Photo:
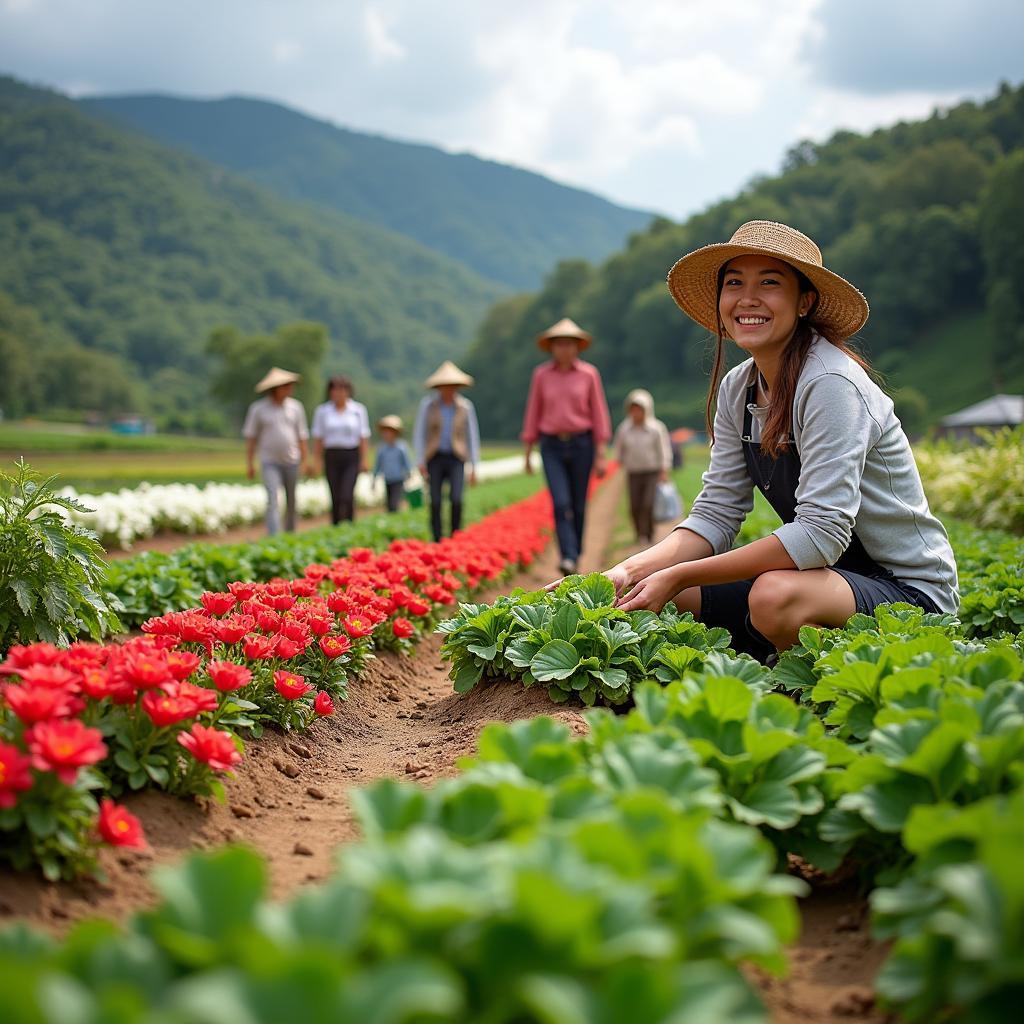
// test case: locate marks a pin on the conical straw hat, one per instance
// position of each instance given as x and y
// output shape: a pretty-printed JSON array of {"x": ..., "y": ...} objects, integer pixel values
[
  {"x": 565, "y": 328},
  {"x": 391, "y": 423},
  {"x": 448, "y": 373},
  {"x": 275, "y": 378},
  {"x": 841, "y": 310}
]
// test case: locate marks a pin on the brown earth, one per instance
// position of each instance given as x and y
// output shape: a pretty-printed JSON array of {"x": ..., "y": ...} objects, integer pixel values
[{"x": 290, "y": 801}]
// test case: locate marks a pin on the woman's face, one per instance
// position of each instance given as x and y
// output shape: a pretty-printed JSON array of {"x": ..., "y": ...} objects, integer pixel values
[
  {"x": 564, "y": 350},
  {"x": 760, "y": 302},
  {"x": 636, "y": 413},
  {"x": 339, "y": 394}
]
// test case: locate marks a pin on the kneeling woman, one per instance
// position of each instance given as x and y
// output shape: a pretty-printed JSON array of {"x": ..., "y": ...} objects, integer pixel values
[{"x": 804, "y": 422}]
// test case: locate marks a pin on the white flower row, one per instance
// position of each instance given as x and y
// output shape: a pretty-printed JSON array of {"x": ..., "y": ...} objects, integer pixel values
[{"x": 122, "y": 517}]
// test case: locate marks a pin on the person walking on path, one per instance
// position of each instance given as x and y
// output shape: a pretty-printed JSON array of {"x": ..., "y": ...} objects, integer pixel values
[
  {"x": 275, "y": 431},
  {"x": 341, "y": 437},
  {"x": 566, "y": 411},
  {"x": 446, "y": 437},
  {"x": 802, "y": 420},
  {"x": 392, "y": 460},
  {"x": 643, "y": 448}
]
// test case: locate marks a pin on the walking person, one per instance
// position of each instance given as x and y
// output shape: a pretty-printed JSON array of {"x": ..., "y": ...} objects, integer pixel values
[
  {"x": 802, "y": 420},
  {"x": 275, "y": 432},
  {"x": 643, "y": 449},
  {"x": 446, "y": 438},
  {"x": 567, "y": 413},
  {"x": 341, "y": 437},
  {"x": 392, "y": 462}
]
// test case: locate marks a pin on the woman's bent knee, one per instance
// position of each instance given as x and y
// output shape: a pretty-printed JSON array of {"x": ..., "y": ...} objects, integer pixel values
[{"x": 773, "y": 600}]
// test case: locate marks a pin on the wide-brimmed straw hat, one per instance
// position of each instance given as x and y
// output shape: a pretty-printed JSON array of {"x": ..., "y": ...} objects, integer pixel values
[
  {"x": 275, "y": 378},
  {"x": 448, "y": 373},
  {"x": 390, "y": 423},
  {"x": 565, "y": 328},
  {"x": 841, "y": 310}
]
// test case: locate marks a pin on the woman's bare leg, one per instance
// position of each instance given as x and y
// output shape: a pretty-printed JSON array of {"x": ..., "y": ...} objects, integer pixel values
[{"x": 783, "y": 600}]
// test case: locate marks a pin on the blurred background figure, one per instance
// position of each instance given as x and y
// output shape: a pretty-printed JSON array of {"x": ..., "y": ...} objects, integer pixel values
[
  {"x": 566, "y": 411},
  {"x": 643, "y": 448},
  {"x": 392, "y": 463},
  {"x": 341, "y": 437},
  {"x": 275, "y": 431},
  {"x": 446, "y": 437}
]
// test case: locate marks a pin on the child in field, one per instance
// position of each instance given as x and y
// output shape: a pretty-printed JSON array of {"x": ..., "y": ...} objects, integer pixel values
[{"x": 393, "y": 462}]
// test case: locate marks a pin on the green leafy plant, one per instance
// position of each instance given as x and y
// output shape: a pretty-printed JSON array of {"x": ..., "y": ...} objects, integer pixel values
[{"x": 51, "y": 573}]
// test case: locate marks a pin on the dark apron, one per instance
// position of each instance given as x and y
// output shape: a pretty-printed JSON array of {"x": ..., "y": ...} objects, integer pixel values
[{"x": 777, "y": 480}]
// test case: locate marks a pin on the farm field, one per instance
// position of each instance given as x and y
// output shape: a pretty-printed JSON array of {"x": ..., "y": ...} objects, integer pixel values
[{"x": 295, "y": 799}]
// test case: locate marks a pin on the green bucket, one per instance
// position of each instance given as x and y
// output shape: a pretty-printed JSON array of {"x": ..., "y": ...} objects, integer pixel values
[{"x": 415, "y": 497}]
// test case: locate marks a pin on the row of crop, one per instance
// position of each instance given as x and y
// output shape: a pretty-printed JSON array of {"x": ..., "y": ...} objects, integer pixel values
[
  {"x": 982, "y": 483},
  {"x": 626, "y": 874},
  {"x": 152, "y": 583},
  {"x": 119, "y": 518},
  {"x": 169, "y": 708}
]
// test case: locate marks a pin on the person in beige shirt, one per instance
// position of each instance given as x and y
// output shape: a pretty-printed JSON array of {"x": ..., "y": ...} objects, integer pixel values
[{"x": 644, "y": 451}]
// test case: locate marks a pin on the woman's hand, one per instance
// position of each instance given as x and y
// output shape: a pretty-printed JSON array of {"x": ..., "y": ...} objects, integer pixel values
[
  {"x": 654, "y": 592},
  {"x": 617, "y": 574}
]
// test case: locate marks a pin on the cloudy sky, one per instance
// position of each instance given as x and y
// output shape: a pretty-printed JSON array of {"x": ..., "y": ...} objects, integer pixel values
[{"x": 660, "y": 104}]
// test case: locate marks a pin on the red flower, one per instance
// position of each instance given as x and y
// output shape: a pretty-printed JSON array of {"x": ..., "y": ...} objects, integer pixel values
[
  {"x": 53, "y": 677},
  {"x": 334, "y": 646},
  {"x": 37, "y": 703},
  {"x": 194, "y": 628},
  {"x": 288, "y": 648},
  {"x": 119, "y": 827},
  {"x": 146, "y": 669},
  {"x": 63, "y": 747},
  {"x": 14, "y": 773},
  {"x": 19, "y": 657},
  {"x": 227, "y": 676},
  {"x": 290, "y": 685},
  {"x": 316, "y": 571},
  {"x": 232, "y": 629},
  {"x": 402, "y": 628},
  {"x": 258, "y": 647},
  {"x": 338, "y": 602},
  {"x": 166, "y": 709},
  {"x": 360, "y": 554},
  {"x": 320, "y": 625},
  {"x": 304, "y": 588},
  {"x": 323, "y": 705},
  {"x": 182, "y": 664},
  {"x": 162, "y": 625},
  {"x": 202, "y": 698},
  {"x": 268, "y": 620},
  {"x": 243, "y": 591},
  {"x": 357, "y": 626},
  {"x": 217, "y": 603},
  {"x": 211, "y": 746},
  {"x": 417, "y": 606},
  {"x": 294, "y": 630},
  {"x": 99, "y": 683},
  {"x": 281, "y": 602}
]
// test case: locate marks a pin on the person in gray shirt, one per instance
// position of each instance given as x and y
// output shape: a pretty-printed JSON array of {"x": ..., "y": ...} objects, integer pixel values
[
  {"x": 275, "y": 431},
  {"x": 804, "y": 421}
]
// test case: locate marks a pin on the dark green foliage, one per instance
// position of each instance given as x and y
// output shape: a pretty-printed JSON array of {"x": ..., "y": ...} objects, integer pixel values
[
  {"x": 51, "y": 573},
  {"x": 922, "y": 217},
  {"x": 506, "y": 224},
  {"x": 131, "y": 254}
]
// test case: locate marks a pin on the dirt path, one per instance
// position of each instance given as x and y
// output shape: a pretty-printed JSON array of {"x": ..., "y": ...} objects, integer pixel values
[{"x": 290, "y": 801}]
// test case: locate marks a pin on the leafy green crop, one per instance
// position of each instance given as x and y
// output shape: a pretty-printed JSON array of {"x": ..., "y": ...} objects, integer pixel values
[{"x": 51, "y": 573}]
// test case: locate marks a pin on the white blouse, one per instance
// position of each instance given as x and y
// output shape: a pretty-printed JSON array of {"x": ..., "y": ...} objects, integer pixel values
[{"x": 341, "y": 428}]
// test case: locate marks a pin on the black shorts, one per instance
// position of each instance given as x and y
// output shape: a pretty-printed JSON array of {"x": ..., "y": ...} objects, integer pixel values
[{"x": 727, "y": 604}]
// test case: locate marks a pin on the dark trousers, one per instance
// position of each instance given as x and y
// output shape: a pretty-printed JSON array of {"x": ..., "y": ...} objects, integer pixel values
[
  {"x": 341, "y": 466},
  {"x": 567, "y": 465},
  {"x": 396, "y": 489},
  {"x": 444, "y": 466},
  {"x": 642, "y": 488}
]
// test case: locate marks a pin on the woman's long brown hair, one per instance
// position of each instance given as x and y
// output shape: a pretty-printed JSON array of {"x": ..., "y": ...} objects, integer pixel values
[{"x": 779, "y": 421}]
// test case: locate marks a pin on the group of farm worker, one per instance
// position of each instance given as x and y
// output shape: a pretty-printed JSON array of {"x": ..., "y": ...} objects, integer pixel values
[
  {"x": 802, "y": 419},
  {"x": 566, "y": 415}
]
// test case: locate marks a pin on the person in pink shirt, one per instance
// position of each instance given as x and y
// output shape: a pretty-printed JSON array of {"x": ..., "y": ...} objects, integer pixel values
[{"x": 567, "y": 413}]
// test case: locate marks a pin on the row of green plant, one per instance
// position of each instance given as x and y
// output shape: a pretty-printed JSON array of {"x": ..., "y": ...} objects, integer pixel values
[
  {"x": 626, "y": 874},
  {"x": 981, "y": 482}
]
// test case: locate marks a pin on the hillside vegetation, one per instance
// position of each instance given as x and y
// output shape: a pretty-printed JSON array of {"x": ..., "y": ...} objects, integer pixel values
[
  {"x": 506, "y": 224},
  {"x": 924, "y": 217},
  {"x": 119, "y": 256}
]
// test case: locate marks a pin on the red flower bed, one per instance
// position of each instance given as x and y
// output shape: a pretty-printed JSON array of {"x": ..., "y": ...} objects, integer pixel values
[{"x": 166, "y": 709}]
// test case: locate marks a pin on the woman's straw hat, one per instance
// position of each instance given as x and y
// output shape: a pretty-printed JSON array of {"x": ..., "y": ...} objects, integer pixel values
[
  {"x": 841, "y": 310},
  {"x": 565, "y": 328},
  {"x": 275, "y": 378},
  {"x": 390, "y": 423},
  {"x": 448, "y": 373}
]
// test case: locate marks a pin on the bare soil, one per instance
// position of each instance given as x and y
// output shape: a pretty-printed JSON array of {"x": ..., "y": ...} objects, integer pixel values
[{"x": 290, "y": 801}]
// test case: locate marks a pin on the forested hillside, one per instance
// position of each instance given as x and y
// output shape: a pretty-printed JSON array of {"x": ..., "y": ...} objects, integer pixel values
[
  {"x": 504, "y": 223},
  {"x": 119, "y": 256},
  {"x": 924, "y": 217}
]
